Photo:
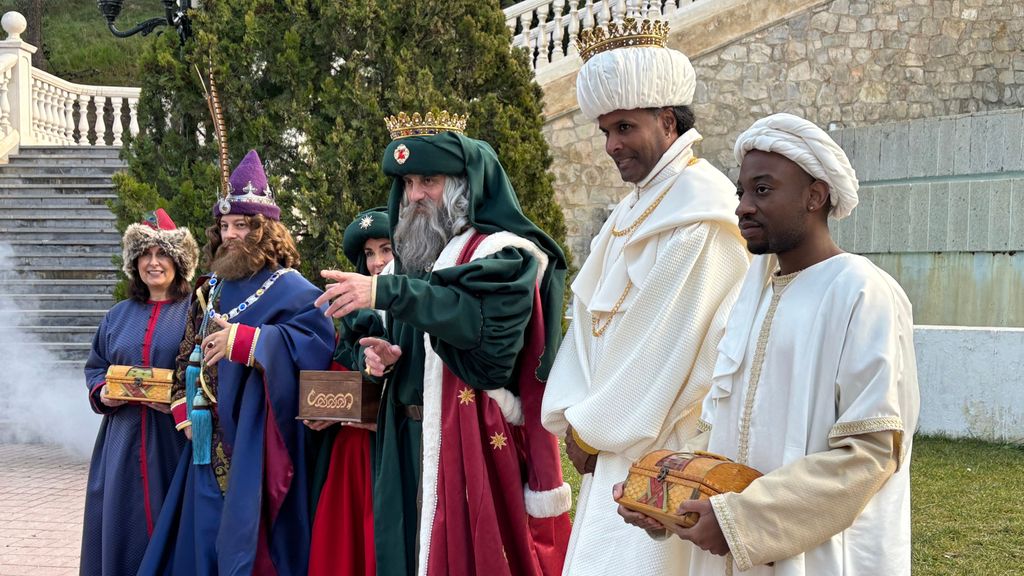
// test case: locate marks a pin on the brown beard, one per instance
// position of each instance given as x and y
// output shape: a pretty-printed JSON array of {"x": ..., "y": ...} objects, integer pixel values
[{"x": 237, "y": 259}]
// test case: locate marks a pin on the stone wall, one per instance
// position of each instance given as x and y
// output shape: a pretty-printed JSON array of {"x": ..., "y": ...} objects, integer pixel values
[
  {"x": 972, "y": 382},
  {"x": 844, "y": 63},
  {"x": 942, "y": 210}
]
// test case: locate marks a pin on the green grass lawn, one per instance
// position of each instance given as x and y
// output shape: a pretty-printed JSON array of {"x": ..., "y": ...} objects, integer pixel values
[
  {"x": 968, "y": 507},
  {"x": 78, "y": 46}
]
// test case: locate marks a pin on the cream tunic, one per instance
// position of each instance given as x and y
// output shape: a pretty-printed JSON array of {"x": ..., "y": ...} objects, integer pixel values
[
  {"x": 639, "y": 385},
  {"x": 816, "y": 386}
]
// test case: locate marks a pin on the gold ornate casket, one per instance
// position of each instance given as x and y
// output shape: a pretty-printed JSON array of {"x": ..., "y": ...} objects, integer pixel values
[
  {"x": 338, "y": 396},
  {"x": 660, "y": 481},
  {"x": 139, "y": 384}
]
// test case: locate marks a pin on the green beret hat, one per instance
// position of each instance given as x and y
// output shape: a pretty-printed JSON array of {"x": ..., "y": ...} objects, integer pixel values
[{"x": 368, "y": 224}]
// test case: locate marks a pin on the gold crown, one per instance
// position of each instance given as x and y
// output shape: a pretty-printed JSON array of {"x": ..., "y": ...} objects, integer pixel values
[
  {"x": 628, "y": 33},
  {"x": 404, "y": 126}
]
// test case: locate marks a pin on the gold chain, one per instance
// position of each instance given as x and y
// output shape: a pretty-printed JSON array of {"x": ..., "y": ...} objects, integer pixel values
[
  {"x": 650, "y": 209},
  {"x": 597, "y": 330}
]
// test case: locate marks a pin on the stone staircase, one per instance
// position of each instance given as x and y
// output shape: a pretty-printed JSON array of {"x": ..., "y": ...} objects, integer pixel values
[{"x": 57, "y": 279}]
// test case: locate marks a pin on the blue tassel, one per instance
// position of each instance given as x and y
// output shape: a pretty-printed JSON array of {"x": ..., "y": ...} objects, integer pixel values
[
  {"x": 202, "y": 430},
  {"x": 198, "y": 410},
  {"x": 192, "y": 376}
]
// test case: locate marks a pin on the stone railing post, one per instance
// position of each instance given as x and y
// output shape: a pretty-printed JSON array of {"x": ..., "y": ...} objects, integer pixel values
[{"x": 19, "y": 91}]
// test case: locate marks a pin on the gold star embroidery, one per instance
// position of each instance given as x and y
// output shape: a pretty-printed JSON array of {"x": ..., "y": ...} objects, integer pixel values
[
  {"x": 466, "y": 396},
  {"x": 498, "y": 440}
]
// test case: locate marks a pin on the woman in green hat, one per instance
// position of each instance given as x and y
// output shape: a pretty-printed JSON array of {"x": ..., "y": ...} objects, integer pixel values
[{"x": 341, "y": 495}]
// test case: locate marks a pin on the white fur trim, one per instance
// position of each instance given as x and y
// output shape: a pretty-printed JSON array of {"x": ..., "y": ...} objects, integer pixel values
[
  {"x": 432, "y": 369},
  {"x": 548, "y": 503},
  {"x": 511, "y": 406},
  {"x": 500, "y": 240}
]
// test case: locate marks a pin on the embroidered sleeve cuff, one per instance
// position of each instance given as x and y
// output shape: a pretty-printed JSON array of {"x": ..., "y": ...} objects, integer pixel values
[
  {"x": 703, "y": 425},
  {"x": 179, "y": 409},
  {"x": 242, "y": 343},
  {"x": 727, "y": 522}
]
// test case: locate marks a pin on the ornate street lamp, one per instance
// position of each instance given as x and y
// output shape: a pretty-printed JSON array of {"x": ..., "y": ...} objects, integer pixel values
[{"x": 175, "y": 14}]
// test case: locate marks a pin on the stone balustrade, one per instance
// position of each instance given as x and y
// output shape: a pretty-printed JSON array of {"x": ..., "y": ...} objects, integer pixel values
[
  {"x": 548, "y": 28},
  {"x": 38, "y": 108}
]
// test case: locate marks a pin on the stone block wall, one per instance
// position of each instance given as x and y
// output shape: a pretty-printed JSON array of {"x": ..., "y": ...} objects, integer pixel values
[
  {"x": 942, "y": 210},
  {"x": 845, "y": 63}
]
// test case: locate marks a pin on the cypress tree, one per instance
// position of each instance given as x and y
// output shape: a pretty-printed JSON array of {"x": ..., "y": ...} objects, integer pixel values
[{"x": 308, "y": 84}]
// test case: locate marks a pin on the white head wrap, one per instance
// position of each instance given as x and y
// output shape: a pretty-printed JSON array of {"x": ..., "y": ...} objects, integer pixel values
[
  {"x": 634, "y": 77},
  {"x": 810, "y": 147}
]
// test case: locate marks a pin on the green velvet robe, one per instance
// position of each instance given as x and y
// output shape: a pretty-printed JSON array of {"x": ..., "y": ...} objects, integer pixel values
[{"x": 476, "y": 315}]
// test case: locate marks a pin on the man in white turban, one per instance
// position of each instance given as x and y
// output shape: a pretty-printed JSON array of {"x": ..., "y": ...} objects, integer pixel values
[
  {"x": 651, "y": 300},
  {"x": 815, "y": 383}
]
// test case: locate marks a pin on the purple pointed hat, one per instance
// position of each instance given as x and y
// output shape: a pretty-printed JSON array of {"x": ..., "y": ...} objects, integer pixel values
[{"x": 249, "y": 193}]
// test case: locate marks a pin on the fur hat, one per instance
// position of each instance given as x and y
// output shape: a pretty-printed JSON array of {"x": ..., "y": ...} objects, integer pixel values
[{"x": 157, "y": 229}]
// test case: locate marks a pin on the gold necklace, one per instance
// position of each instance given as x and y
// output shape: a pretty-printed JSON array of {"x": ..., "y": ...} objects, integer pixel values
[
  {"x": 650, "y": 209},
  {"x": 595, "y": 324},
  {"x": 596, "y": 328}
]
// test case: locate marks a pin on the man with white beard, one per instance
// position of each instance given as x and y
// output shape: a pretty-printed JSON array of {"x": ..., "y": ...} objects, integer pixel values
[{"x": 467, "y": 480}]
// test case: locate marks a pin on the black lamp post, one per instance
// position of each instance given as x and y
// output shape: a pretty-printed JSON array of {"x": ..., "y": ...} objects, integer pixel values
[{"x": 175, "y": 14}]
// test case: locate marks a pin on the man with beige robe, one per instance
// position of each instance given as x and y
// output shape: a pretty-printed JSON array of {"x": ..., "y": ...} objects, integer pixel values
[
  {"x": 815, "y": 384},
  {"x": 651, "y": 300}
]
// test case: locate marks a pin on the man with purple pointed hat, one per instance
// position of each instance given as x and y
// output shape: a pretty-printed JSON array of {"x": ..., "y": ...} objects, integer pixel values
[{"x": 238, "y": 503}]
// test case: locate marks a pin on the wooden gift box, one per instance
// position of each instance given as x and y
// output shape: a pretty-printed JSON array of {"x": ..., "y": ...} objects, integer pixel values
[
  {"x": 338, "y": 396},
  {"x": 660, "y": 481},
  {"x": 139, "y": 384}
]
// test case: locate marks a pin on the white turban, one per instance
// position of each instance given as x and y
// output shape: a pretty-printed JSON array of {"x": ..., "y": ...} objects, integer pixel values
[
  {"x": 634, "y": 77},
  {"x": 810, "y": 147}
]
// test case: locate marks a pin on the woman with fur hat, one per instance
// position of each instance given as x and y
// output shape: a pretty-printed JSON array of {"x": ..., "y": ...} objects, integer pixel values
[
  {"x": 341, "y": 496},
  {"x": 137, "y": 448}
]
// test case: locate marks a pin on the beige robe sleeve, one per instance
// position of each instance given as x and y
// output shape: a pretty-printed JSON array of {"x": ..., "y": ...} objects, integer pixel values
[
  {"x": 801, "y": 505},
  {"x": 648, "y": 384}
]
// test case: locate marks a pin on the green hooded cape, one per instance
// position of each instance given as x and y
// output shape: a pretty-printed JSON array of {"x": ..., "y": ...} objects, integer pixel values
[{"x": 493, "y": 208}]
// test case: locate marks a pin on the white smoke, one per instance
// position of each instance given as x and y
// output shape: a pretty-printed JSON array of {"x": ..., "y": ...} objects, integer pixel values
[{"x": 40, "y": 401}]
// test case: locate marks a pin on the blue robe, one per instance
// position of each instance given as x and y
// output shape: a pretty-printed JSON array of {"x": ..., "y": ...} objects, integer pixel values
[
  {"x": 257, "y": 522},
  {"x": 137, "y": 448}
]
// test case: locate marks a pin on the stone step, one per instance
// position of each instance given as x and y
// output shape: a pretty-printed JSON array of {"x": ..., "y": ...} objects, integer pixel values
[
  {"x": 93, "y": 151},
  {"x": 51, "y": 179},
  {"x": 59, "y": 170},
  {"x": 67, "y": 351},
  {"x": 60, "y": 301},
  {"x": 53, "y": 317},
  {"x": 104, "y": 247},
  {"x": 65, "y": 160},
  {"x": 55, "y": 200},
  {"x": 43, "y": 286},
  {"x": 7, "y": 189},
  {"x": 58, "y": 334},
  {"x": 89, "y": 211},
  {"x": 68, "y": 235},
  {"x": 19, "y": 261},
  {"x": 61, "y": 273},
  {"x": 36, "y": 220},
  {"x": 66, "y": 366}
]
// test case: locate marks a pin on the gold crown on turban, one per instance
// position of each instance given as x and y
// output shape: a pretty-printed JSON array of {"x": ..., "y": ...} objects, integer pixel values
[
  {"x": 404, "y": 125},
  {"x": 628, "y": 33}
]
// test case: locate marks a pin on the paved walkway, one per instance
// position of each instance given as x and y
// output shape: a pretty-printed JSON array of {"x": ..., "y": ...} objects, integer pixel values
[{"x": 42, "y": 494}]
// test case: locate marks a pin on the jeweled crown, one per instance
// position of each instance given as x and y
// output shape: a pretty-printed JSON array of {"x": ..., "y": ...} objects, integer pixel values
[
  {"x": 628, "y": 33},
  {"x": 404, "y": 125}
]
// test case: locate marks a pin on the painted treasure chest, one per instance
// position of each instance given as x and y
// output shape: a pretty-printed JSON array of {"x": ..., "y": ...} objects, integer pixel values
[
  {"x": 660, "y": 481},
  {"x": 338, "y": 396},
  {"x": 139, "y": 384}
]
